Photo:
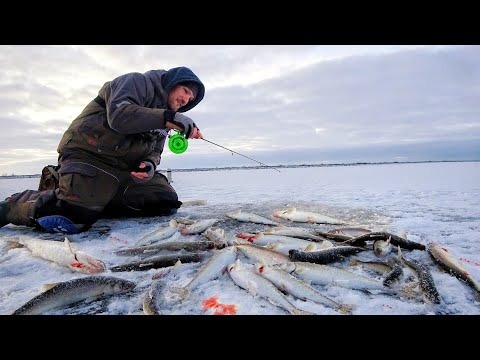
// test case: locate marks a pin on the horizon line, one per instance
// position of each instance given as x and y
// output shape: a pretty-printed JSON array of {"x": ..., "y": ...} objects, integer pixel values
[{"x": 267, "y": 167}]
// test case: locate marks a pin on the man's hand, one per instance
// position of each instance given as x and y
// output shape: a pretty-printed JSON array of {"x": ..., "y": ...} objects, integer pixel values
[
  {"x": 147, "y": 169},
  {"x": 196, "y": 134},
  {"x": 186, "y": 124}
]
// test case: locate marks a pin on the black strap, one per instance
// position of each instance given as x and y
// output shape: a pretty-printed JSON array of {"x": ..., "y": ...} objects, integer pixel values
[{"x": 100, "y": 102}]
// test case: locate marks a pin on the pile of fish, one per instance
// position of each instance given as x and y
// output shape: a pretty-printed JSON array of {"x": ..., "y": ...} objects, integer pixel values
[{"x": 282, "y": 263}]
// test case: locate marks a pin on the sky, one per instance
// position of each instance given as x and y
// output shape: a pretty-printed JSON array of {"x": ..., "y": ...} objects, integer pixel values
[
  {"x": 426, "y": 203},
  {"x": 277, "y": 104}
]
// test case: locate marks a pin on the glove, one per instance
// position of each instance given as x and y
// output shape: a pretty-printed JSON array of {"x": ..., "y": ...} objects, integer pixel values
[
  {"x": 149, "y": 169},
  {"x": 184, "y": 122}
]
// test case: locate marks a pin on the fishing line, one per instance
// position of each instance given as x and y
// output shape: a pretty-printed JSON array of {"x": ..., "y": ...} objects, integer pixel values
[
  {"x": 178, "y": 144},
  {"x": 223, "y": 147}
]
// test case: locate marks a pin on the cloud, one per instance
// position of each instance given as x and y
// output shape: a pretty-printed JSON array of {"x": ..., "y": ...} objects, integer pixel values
[{"x": 273, "y": 99}]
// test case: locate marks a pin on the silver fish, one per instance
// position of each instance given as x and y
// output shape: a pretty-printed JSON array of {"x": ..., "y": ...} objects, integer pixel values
[
  {"x": 285, "y": 248},
  {"x": 62, "y": 253},
  {"x": 300, "y": 289},
  {"x": 295, "y": 215},
  {"x": 249, "y": 217},
  {"x": 382, "y": 247},
  {"x": 377, "y": 266},
  {"x": 151, "y": 299},
  {"x": 158, "y": 261},
  {"x": 298, "y": 232},
  {"x": 198, "y": 226},
  {"x": 210, "y": 270},
  {"x": 258, "y": 285},
  {"x": 72, "y": 291},
  {"x": 158, "y": 234},
  {"x": 262, "y": 255},
  {"x": 328, "y": 275},
  {"x": 169, "y": 246},
  {"x": 265, "y": 239},
  {"x": 448, "y": 262},
  {"x": 350, "y": 231},
  {"x": 427, "y": 285}
]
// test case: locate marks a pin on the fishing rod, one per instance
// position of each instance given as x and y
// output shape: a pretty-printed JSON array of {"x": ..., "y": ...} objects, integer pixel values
[{"x": 178, "y": 144}]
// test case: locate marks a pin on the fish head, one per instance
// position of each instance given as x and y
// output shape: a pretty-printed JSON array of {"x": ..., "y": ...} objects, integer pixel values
[
  {"x": 382, "y": 247},
  {"x": 122, "y": 286},
  {"x": 434, "y": 247},
  {"x": 282, "y": 213},
  {"x": 83, "y": 262},
  {"x": 278, "y": 214},
  {"x": 215, "y": 233},
  {"x": 248, "y": 236}
]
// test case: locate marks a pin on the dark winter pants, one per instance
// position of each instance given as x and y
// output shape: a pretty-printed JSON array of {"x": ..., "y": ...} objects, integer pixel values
[{"x": 86, "y": 193}]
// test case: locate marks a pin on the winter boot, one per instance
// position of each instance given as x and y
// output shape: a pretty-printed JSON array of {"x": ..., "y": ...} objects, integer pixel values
[
  {"x": 17, "y": 210},
  {"x": 34, "y": 209},
  {"x": 20, "y": 208}
]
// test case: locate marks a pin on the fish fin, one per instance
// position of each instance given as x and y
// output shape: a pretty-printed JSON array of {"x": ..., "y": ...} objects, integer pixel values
[
  {"x": 68, "y": 245},
  {"x": 48, "y": 286},
  {"x": 399, "y": 256},
  {"x": 290, "y": 210},
  {"x": 310, "y": 248},
  {"x": 177, "y": 264}
]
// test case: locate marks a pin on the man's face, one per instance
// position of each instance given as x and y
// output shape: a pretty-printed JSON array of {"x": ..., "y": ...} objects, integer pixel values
[{"x": 179, "y": 96}]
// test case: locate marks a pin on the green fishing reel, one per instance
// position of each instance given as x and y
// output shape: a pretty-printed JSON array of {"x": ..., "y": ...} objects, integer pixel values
[{"x": 177, "y": 143}]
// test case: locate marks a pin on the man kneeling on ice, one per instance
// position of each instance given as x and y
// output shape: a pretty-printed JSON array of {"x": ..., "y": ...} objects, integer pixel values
[{"x": 108, "y": 155}]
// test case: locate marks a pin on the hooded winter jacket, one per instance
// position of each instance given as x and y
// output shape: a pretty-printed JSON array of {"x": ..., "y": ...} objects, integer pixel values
[{"x": 123, "y": 125}]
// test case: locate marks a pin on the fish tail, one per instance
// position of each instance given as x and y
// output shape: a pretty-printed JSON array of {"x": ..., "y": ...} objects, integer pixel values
[
  {"x": 346, "y": 309},
  {"x": 300, "y": 312},
  {"x": 13, "y": 244},
  {"x": 408, "y": 290}
]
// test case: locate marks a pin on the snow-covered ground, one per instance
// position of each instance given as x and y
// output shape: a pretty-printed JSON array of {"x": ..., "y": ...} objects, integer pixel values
[{"x": 430, "y": 202}]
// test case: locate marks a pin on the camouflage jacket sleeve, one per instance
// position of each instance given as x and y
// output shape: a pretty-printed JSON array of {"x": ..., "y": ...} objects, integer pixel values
[{"x": 133, "y": 106}]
